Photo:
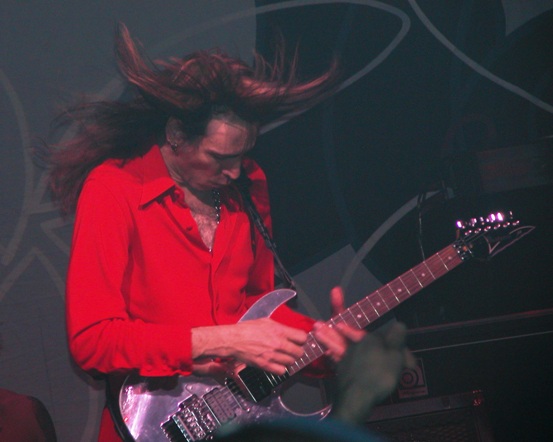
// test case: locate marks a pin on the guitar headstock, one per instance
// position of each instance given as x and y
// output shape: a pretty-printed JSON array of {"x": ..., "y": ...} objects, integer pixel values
[{"x": 486, "y": 237}]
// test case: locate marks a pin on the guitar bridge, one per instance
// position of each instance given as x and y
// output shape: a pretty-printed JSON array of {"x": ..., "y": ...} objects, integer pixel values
[{"x": 197, "y": 418}]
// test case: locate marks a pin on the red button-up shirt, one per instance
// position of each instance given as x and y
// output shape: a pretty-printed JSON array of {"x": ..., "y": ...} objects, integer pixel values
[{"x": 140, "y": 277}]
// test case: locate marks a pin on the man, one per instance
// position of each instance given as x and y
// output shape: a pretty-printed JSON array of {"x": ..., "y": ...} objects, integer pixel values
[{"x": 165, "y": 259}]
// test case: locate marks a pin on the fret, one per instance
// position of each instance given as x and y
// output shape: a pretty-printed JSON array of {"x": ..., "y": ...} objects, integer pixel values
[
  {"x": 375, "y": 302},
  {"x": 273, "y": 379},
  {"x": 411, "y": 282},
  {"x": 294, "y": 368},
  {"x": 398, "y": 288},
  {"x": 377, "y": 293},
  {"x": 368, "y": 309},
  {"x": 389, "y": 295},
  {"x": 360, "y": 315},
  {"x": 417, "y": 279},
  {"x": 443, "y": 262},
  {"x": 428, "y": 268},
  {"x": 358, "y": 318},
  {"x": 315, "y": 347},
  {"x": 309, "y": 350},
  {"x": 406, "y": 288},
  {"x": 434, "y": 267},
  {"x": 450, "y": 257},
  {"x": 349, "y": 319},
  {"x": 423, "y": 275},
  {"x": 436, "y": 264}
]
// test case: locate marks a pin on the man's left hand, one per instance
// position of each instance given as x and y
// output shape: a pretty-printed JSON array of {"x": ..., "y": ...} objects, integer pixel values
[{"x": 335, "y": 339}]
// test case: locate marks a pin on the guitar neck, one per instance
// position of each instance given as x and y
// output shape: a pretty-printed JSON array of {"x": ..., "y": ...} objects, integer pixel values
[
  {"x": 381, "y": 301},
  {"x": 259, "y": 384}
]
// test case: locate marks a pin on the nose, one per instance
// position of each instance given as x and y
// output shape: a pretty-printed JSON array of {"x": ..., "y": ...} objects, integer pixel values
[{"x": 233, "y": 170}]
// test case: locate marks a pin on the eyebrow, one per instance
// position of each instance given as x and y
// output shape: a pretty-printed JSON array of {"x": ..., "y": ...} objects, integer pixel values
[{"x": 225, "y": 156}]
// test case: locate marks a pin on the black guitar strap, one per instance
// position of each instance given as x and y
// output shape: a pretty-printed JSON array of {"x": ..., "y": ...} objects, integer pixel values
[
  {"x": 243, "y": 183},
  {"x": 113, "y": 408}
]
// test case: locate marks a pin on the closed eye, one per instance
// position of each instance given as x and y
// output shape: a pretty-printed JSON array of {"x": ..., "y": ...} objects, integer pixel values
[{"x": 220, "y": 157}]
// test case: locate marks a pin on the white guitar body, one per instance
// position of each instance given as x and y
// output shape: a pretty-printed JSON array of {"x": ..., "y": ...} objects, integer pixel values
[{"x": 195, "y": 406}]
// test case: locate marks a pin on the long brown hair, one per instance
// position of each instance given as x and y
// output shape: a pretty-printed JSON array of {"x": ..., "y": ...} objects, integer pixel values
[{"x": 192, "y": 89}]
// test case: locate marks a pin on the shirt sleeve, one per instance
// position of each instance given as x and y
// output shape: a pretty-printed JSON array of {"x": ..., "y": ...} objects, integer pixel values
[{"x": 102, "y": 337}]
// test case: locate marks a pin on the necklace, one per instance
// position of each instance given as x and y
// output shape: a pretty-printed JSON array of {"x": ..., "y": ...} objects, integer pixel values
[{"x": 216, "y": 195}]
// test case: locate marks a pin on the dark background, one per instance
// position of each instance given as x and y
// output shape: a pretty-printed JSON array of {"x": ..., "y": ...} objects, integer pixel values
[{"x": 421, "y": 122}]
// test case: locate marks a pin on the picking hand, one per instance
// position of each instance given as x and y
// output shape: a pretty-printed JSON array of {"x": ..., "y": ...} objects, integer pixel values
[{"x": 262, "y": 343}]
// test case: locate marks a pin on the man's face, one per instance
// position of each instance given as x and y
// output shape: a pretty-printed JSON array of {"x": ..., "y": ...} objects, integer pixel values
[{"x": 214, "y": 160}]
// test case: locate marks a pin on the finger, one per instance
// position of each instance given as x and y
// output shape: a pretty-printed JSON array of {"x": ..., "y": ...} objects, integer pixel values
[
  {"x": 281, "y": 359},
  {"x": 350, "y": 333},
  {"x": 271, "y": 365},
  {"x": 291, "y": 349},
  {"x": 211, "y": 369},
  {"x": 333, "y": 342},
  {"x": 275, "y": 329},
  {"x": 296, "y": 336},
  {"x": 277, "y": 369},
  {"x": 337, "y": 300}
]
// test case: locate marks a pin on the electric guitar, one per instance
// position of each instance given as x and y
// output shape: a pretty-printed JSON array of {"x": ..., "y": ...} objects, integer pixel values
[{"x": 192, "y": 408}]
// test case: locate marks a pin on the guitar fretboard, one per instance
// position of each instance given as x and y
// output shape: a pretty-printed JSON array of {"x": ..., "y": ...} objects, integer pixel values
[{"x": 381, "y": 301}]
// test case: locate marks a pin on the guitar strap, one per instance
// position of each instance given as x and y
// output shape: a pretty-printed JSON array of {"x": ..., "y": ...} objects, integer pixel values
[
  {"x": 243, "y": 183},
  {"x": 114, "y": 411}
]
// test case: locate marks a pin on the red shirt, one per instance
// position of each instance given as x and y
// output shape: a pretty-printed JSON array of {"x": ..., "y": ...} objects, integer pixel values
[{"x": 140, "y": 277}]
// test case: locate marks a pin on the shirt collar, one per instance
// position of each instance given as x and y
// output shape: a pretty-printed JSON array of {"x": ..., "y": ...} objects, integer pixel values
[{"x": 156, "y": 176}]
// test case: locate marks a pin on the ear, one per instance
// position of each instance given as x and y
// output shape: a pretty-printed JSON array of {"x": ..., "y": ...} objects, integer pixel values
[{"x": 174, "y": 133}]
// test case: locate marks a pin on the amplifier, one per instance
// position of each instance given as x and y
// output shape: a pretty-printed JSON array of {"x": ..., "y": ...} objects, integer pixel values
[{"x": 454, "y": 418}]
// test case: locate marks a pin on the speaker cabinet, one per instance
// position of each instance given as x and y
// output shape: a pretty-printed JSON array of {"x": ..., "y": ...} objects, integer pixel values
[{"x": 453, "y": 418}]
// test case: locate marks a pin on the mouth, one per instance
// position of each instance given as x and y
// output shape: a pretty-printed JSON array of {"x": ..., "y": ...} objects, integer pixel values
[{"x": 227, "y": 181}]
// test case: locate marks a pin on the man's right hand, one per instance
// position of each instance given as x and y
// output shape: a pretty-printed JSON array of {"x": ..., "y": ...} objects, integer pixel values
[{"x": 261, "y": 343}]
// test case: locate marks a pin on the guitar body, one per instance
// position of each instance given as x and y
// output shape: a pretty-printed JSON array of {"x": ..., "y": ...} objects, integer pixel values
[{"x": 194, "y": 407}]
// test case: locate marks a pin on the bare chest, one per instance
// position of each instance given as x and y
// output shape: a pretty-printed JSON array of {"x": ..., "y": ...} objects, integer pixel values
[
  {"x": 206, "y": 213},
  {"x": 207, "y": 226}
]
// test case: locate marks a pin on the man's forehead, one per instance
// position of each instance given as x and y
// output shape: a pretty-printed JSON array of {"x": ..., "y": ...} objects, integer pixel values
[
  {"x": 229, "y": 124},
  {"x": 229, "y": 137}
]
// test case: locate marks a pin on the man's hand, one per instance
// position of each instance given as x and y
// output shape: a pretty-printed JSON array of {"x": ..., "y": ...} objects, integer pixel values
[
  {"x": 336, "y": 339},
  {"x": 261, "y": 343}
]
